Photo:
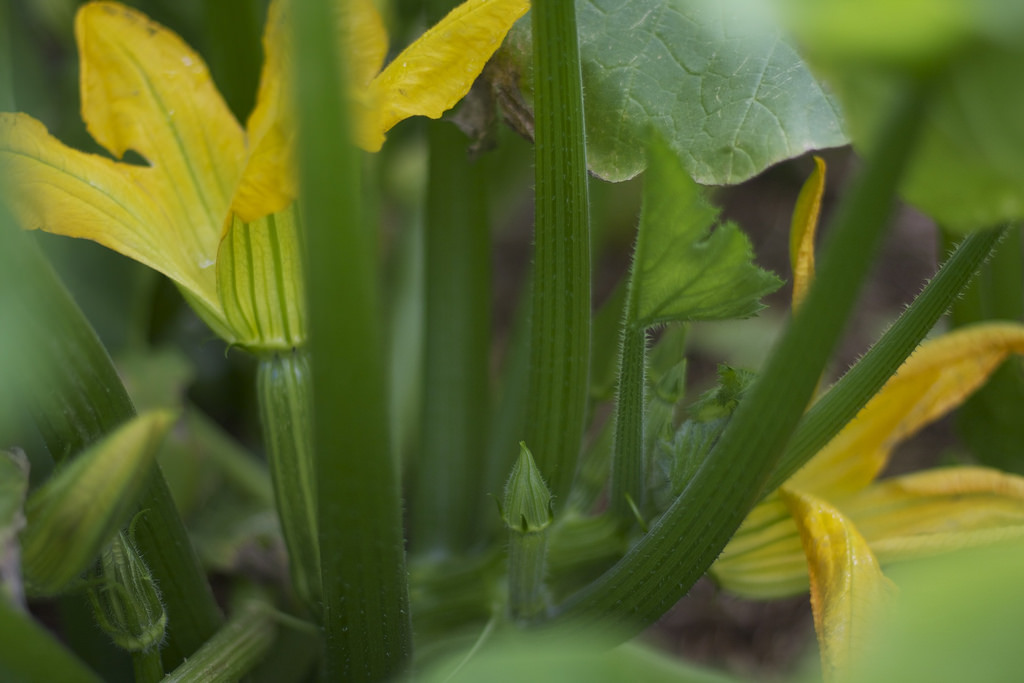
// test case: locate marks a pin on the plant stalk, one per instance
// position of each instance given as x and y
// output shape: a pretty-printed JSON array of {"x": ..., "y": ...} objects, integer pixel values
[
  {"x": 283, "y": 383},
  {"x": 684, "y": 542},
  {"x": 560, "y": 332},
  {"x": 843, "y": 401},
  {"x": 366, "y": 620}
]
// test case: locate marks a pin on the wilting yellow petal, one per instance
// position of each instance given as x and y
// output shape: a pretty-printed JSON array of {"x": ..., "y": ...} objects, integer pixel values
[
  {"x": 938, "y": 510},
  {"x": 365, "y": 40},
  {"x": 847, "y": 585},
  {"x": 934, "y": 380},
  {"x": 259, "y": 280},
  {"x": 803, "y": 229},
  {"x": 144, "y": 89},
  {"x": 58, "y": 189},
  {"x": 437, "y": 70},
  {"x": 269, "y": 183}
]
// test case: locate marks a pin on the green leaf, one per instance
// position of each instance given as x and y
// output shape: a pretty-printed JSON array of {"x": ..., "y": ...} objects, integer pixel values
[
  {"x": 722, "y": 86},
  {"x": 683, "y": 269},
  {"x": 969, "y": 170}
]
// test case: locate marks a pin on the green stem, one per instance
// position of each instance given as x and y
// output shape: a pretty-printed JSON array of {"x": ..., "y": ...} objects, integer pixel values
[
  {"x": 365, "y": 586},
  {"x": 677, "y": 551},
  {"x": 627, "y": 477},
  {"x": 283, "y": 383},
  {"x": 148, "y": 667},
  {"x": 76, "y": 398},
  {"x": 844, "y": 400},
  {"x": 233, "y": 651},
  {"x": 527, "y": 565},
  {"x": 448, "y": 496},
  {"x": 560, "y": 332}
]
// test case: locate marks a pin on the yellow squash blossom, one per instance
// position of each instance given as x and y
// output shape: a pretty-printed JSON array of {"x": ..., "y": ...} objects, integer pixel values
[
  {"x": 833, "y": 523},
  {"x": 213, "y": 206}
]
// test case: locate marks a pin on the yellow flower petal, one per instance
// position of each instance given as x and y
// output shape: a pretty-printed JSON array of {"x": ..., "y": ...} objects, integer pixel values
[
  {"x": 259, "y": 280},
  {"x": 803, "y": 229},
  {"x": 269, "y": 184},
  {"x": 365, "y": 40},
  {"x": 934, "y": 380},
  {"x": 144, "y": 89},
  {"x": 765, "y": 558},
  {"x": 938, "y": 510},
  {"x": 58, "y": 189},
  {"x": 437, "y": 70},
  {"x": 847, "y": 585}
]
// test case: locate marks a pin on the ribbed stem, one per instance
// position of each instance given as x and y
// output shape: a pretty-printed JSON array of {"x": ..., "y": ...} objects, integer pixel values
[
  {"x": 627, "y": 480},
  {"x": 845, "y": 399},
  {"x": 690, "y": 535},
  {"x": 233, "y": 651},
  {"x": 284, "y": 390},
  {"x": 560, "y": 333},
  {"x": 359, "y": 509}
]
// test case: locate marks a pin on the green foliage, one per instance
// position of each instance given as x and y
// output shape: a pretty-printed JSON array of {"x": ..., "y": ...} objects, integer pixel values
[
  {"x": 729, "y": 95},
  {"x": 684, "y": 270},
  {"x": 969, "y": 171},
  {"x": 693, "y": 91}
]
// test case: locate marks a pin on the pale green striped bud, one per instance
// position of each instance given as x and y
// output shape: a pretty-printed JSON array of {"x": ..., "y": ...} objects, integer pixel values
[
  {"x": 77, "y": 511},
  {"x": 125, "y": 599},
  {"x": 527, "y": 505},
  {"x": 259, "y": 282}
]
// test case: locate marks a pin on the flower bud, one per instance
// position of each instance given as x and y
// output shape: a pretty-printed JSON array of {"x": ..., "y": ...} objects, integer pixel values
[
  {"x": 527, "y": 507},
  {"x": 125, "y": 598},
  {"x": 74, "y": 514}
]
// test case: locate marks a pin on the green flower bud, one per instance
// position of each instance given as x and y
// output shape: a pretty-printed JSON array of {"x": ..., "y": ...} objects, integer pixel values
[
  {"x": 259, "y": 282},
  {"x": 74, "y": 514},
  {"x": 125, "y": 598},
  {"x": 527, "y": 514},
  {"x": 527, "y": 507}
]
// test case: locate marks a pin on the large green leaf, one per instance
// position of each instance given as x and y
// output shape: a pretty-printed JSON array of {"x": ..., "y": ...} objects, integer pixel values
[
  {"x": 713, "y": 77},
  {"x": 968, "y": 172},
  {"x": 684, "y": 270}
]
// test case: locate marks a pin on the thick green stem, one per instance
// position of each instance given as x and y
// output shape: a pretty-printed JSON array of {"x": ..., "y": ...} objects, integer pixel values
[
  {"x": 365, "y": 585},
  {"x": 234, "y": 650},
  {"x": 560, "y": 332},
  {"x": 844, "y": 400},
  {"x": 76, "y": 397},
  {"x": 284, "y": 383},
  {"x": 627, "y": 480},
  {"x": 677, "y": 551},
  {"x": 448, "y": 496}
]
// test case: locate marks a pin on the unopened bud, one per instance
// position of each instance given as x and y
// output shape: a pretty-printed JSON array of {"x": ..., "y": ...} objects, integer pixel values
[
  {"x": 527, "y": 507},
  {"x": 125, "y": 598}
]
